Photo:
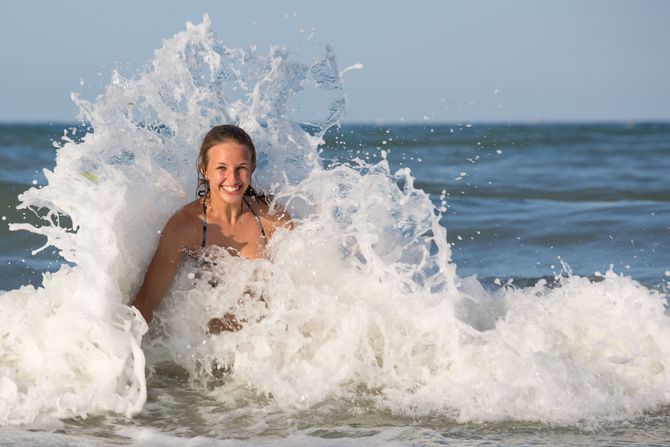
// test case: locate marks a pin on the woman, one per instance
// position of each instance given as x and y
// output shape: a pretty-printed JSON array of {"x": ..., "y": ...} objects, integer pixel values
[{"x": 230, "y": 214}]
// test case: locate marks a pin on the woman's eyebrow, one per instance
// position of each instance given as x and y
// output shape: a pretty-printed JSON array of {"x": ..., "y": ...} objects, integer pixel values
[{"x": 221, "y": 163}]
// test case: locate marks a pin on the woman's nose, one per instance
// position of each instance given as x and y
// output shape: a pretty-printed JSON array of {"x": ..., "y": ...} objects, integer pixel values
[{"x": 233, "y": 176}]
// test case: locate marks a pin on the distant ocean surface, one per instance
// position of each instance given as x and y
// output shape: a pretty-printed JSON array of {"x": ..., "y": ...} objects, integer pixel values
[{"x": 522, "y": 201}]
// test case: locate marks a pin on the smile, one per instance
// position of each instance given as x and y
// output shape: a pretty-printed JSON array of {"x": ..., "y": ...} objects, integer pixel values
[{"x": 232, "y": 188}]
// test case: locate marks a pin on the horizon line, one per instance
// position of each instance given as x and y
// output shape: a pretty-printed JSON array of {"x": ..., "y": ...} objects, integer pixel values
[{"x": 399, "y": 123}]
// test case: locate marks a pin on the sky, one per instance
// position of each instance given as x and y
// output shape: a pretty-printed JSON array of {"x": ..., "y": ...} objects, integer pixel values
[{"x": 436, "y": 61}]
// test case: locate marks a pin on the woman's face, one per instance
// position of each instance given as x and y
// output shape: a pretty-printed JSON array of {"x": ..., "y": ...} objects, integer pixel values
[{"x": 228, "y": 171}]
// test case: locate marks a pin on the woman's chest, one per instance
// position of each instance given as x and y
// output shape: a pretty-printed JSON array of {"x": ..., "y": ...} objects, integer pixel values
[{"x": 242, "y": 239}]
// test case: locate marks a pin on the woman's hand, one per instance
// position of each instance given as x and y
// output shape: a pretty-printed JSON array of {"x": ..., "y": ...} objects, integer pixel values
[{"x": 227, "y": 323}]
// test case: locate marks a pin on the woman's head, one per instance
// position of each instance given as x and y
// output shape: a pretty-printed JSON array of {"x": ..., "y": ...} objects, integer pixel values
[
  {"x": 226, "y": 161},
  {"x": 222, "y": 134}
]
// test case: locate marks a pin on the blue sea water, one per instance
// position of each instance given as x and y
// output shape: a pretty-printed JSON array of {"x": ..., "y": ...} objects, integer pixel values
[
  {"x": 520, "y": 198},
  {"x": 521, "y": 201}
]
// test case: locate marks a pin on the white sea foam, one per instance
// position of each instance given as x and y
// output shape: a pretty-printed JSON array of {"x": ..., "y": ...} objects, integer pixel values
[{"x": 360, "y": 300}]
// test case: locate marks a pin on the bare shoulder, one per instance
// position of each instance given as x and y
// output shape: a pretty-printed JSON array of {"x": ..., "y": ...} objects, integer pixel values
[
  {"x": 183, "y": 217},
  {"x": 184, "y": 227}
]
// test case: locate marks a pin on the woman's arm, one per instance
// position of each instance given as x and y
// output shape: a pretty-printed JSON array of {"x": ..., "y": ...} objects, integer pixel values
[{"x": 162, "y": 268}]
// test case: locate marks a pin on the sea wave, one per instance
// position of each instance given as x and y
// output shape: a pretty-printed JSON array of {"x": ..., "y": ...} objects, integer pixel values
[{"x": 361, "y": 302}]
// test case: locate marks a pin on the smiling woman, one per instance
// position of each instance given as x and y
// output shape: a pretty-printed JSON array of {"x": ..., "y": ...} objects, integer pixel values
[{"x": 229, "y": 213}]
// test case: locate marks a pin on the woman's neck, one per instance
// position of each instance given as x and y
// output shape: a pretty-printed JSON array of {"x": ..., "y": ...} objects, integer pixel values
[{"x": 228, "y": 212}]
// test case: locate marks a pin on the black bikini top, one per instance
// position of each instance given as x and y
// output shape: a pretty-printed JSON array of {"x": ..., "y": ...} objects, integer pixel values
[{"x": 204, "y": 222}]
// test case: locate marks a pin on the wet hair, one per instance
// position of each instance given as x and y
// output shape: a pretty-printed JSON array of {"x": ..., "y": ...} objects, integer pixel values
[{"x": 222, "y": 134}]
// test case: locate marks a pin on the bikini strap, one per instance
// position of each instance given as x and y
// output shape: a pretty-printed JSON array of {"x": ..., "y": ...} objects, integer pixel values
[
  {"x": 258, "y": 221},
  {"x": 204, "y": 222}
]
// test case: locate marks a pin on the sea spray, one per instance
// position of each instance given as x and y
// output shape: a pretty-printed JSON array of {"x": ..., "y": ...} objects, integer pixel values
[
  {"x": 110, "y": 194},
  {"x": 350, "y": 322},
  {"x": 357, "y": 309}
]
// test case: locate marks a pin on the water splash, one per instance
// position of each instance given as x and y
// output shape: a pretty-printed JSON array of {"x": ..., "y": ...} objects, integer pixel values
[
  {"x": 362, "y": 308},
  {"x": 110, "y": 194}
]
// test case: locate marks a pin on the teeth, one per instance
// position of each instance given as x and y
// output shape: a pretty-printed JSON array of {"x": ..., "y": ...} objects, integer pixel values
[{"x": 231, "y": 188}]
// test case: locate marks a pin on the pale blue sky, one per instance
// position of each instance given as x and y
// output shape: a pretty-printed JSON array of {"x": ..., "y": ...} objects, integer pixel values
[{"x": 455, "y": 61}]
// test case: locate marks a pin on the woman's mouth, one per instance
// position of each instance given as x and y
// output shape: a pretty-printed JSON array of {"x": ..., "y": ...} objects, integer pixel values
[{"x": 231, "y": 188}]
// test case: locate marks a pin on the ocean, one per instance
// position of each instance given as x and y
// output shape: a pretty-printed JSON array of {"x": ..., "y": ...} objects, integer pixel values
[
  {"x": 593, "y": 195},
  {"x": 446, "y": 283}
]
